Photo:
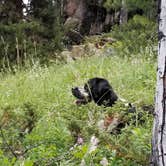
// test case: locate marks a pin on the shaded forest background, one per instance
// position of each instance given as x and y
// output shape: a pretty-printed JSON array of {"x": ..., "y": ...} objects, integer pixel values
[{"x": 40, "y": 28}]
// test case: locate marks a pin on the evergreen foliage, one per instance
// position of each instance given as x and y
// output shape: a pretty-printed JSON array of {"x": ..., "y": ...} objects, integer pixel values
[
  {"x": 11, "y": 11},
  {"x": 38, "y": 34},
  {"x": 143, "y": 7},
  {"x": 34, "y": 37},
  {"x": 136, "y": 37}
]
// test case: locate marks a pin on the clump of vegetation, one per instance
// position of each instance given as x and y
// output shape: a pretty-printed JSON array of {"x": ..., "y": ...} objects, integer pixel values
[
  {"x": 137, "y": 37},
  {"x": 31, "y": 36},
  {"x": 145, "y": 8}
]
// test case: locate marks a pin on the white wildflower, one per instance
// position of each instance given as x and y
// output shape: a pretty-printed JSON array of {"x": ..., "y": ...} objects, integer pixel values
[
  {"x": 93, "y": 144},
  {"x": 104, "y": 161}
]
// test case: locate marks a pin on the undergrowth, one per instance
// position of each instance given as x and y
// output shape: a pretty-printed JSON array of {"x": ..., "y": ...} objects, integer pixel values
[
  {"x": 39, "y": 120},
  {"x": 137, "y": 38},
  {"x": 40, "y": 123}
]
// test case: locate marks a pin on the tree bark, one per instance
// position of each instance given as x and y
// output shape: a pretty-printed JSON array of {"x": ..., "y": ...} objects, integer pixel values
[
  {"x": 123, "y": 13},
  {"x": 158, "y": 157}
]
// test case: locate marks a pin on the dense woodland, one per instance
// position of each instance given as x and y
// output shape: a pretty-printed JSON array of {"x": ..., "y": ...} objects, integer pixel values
[
  {"x": 49, "y": 46},
  {"x": 39, "y": 28}
]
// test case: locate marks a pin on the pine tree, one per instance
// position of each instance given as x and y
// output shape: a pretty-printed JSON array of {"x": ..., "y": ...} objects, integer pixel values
[
  {"x": 48, "y": 14},
  {"x": 11, "y": 11},
  {"x": 143, "y": 7}
]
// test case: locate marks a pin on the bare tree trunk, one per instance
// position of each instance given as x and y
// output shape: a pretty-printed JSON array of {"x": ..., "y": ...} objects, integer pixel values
[
  {"x": 158, "y": 157},
  {"x": 123, "y": 13}
]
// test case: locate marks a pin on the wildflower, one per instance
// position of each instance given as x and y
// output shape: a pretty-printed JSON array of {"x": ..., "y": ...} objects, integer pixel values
[
  {"x": 104, "y": 161},
  {"x": 93, "y": 144}
]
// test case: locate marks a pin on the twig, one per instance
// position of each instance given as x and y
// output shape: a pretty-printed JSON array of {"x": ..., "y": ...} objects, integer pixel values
[{"x": 18, "y": 54}]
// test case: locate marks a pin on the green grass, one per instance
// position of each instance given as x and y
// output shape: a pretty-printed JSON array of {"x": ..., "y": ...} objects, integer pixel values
[
  {"x": 47, "y": 86},
  {"x": 48, "y": 91}
]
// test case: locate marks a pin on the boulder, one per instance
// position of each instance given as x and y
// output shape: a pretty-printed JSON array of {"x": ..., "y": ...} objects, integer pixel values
[
  {"x": 66, "y": 56},
  {"x": 78, "y": 51}
]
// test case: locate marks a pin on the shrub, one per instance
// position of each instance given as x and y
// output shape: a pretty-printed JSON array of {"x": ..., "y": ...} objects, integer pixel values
[
  {"x": 24, "y": 43},
  {"x": 137, "y": 37}
]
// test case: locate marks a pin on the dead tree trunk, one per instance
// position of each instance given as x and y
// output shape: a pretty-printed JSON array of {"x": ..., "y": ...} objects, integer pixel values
[{"x": 159, "y": 129}]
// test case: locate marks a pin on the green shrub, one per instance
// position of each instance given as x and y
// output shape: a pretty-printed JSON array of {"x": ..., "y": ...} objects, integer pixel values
[
  {"x": 136, "y": 38},
  {"x": 24, "y": 43}
]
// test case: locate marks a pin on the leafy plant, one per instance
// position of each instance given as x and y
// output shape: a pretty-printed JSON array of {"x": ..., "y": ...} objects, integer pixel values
[{"x": 137, "y": 37}]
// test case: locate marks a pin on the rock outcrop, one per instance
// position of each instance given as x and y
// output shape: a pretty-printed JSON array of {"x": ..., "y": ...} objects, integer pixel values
[
  {"x": 86, "y": 18},
  {"x": 96, "y": 46}
]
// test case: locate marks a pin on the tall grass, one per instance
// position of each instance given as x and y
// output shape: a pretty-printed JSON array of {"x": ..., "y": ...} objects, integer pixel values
[
  {"x": 48, "y": 90},
  {"x": 131, "y": 79}
]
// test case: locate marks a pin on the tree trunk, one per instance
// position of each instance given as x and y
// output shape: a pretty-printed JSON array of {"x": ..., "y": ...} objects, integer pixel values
[
  {"x": 158, "y": 157},
  {"x": 123, "y": 13}
]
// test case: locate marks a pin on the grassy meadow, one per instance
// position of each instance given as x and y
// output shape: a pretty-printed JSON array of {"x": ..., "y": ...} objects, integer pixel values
[{"x": 40, "y": 100}]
